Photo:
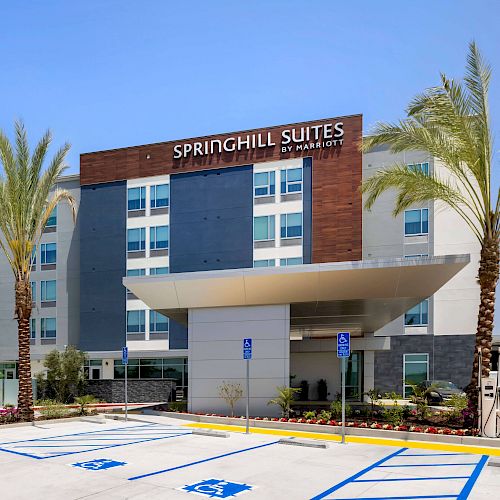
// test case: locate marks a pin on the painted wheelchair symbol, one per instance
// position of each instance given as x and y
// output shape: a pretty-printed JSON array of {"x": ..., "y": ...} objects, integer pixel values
[
  {"x": 342, "y": 339},
  {"x": 217, "y": 488}
]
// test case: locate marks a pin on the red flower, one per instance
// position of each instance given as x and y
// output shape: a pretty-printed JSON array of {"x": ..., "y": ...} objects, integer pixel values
[{"x": 283, "y": 419}]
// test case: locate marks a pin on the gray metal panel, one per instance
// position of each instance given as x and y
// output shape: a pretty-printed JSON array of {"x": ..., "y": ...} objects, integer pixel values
[
  {"x": 103, "y": 264},
  {"x": 211, "y": 220}
]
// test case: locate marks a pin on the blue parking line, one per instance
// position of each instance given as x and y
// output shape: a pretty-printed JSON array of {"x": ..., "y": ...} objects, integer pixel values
[
  {"x": 82, "y": 433},
  {"x": 395, "y": 479},
  {"x": 428, "y": 465},
  {"x": 358, "y": 474},
  {"x": 430, "y": 454},
  {"x": 93, "y": 449},
  {"x": 473, "y": 478},
  {"x": 406, "y": 497},
  {"x": 201, "y": 461}
]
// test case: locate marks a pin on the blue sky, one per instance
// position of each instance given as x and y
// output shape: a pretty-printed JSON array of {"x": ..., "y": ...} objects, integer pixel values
[{"x": 106, "y": 73}]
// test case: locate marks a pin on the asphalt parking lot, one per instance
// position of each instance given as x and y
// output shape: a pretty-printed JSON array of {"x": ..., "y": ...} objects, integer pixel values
[{"x": 161, "y": 458}]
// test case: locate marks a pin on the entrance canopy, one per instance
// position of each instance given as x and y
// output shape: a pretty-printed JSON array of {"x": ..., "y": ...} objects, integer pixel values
[{"x": 361, "y": 296}]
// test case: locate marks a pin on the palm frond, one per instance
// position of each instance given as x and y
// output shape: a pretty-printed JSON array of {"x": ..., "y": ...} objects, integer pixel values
[
  {"x": 28, "y": 196},
  {"x": 451, "y": 123}
]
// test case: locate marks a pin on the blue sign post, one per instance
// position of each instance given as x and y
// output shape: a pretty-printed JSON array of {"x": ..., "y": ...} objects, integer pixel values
[
  {"x": 125, "y": 363},
  {"x": 343, "y": 352},
  {"x": 247, "y": 355}
]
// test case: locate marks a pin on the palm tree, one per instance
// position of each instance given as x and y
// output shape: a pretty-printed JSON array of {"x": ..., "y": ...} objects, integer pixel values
[
  {"x": 27, "y": 198},
  {"x": 451, "y": 122}
]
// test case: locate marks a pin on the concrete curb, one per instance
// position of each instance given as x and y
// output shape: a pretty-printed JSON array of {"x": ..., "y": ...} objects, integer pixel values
[{"x": 325, "y": 429}]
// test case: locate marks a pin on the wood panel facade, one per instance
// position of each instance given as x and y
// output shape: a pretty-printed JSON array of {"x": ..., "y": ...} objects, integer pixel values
[{"x": 337, "y": 173}]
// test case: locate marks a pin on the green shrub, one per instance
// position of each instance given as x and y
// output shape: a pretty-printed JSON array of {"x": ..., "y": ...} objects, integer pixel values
[
  {"x": 309, "y": 414},
  {"x": 285, "y": 396},
  {"x": 457, "y": 404},
  {"x": 177, "y": 406},
  {"x": 393, "y": 395},
  {"x": 52, "y": 409},
  {"x": 394, "y": 415},
  {"x": 325, "y": 415},
  {"x": 336, "y": 409},
  {"x": 83, "y": 401}
]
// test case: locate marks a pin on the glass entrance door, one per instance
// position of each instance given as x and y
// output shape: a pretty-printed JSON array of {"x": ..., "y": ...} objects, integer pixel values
[{"x": 354, "y": 376}]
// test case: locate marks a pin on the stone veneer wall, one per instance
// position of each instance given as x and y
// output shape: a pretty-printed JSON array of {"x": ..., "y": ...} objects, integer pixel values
[
  {"x": 450, "y": 358},
  {"x": 139, "y": 391}
]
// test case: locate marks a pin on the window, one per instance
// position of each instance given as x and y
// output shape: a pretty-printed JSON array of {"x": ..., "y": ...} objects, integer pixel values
[
  {"x": 158, "y": 237},
  {"x": 52, "y": 220},
  {"x": 158, "y": 270},
  {"x": 136, "y": 272},
  {"x": 416, "y": 255},
  {"x": 264, "y": 184},
  {"x": 264, "y": 263},
  {"x": 48, "y": 291},
  {"x": 263, "y": 228},
  {"x": 160, "y": 195},
  {"x": 291, "y": 261},
  {"x": 136, "y": 198},
  {"x": 418, "y": 315},
  {"x": 415, "y": 370},
  {"x": 150, "y": 368},
  {"x": 420, "y": 167},
  {"x": 33, "y": 291},
  {"x": 33, "y": 256},
  {"x": 48, "y": 253},
  {"x": 136, "y": 321},
  {"x": 33, "y": 328},
  {"x": 291, "y": 225},
  {"x": 171, "y": 368},
  {"x": 136, "y": 239},
  {"x": 291, "y": 181},
  {"x": 416, "y": 221},
  {"x": 48, "y": 328},
  {"x": 158, "y": 323}
]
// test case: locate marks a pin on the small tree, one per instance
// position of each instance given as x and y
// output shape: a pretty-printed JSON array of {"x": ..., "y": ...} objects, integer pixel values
[
  {"x": 231, "y": 393},
  {"x": 285, "y": 396},
  {"x": 84, "y": 401},
  {"x": 65, "y": 376}
]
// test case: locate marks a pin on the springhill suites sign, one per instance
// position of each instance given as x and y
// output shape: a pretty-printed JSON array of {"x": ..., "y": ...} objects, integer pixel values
[{"x": 326, "y": 135}]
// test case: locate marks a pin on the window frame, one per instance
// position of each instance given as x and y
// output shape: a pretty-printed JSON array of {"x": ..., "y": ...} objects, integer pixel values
[
  {"x": 153, "y": 195},
  {"x": 286, "y": 259},
  {"x": 154, "y": 322},
  {"x": 271, "y": 227},
  {"x": 423, "y": 166},
  {"x": 270, "y": 186},
  {"x": 142, "y": 198},
  {"x": 141, "y": 241},
  {"x": 153, "y": 271},
  {"x": 405, "y": 385},
  {"x": 43, "y": 291},
  {"x": 421, "y": 233},
  {"x": 53, "y": 215},
  {"x": 43, "y": 253},
  {"x": 141, "y": 323},
  {"x": 264, "y": 260},
  {"x": 285, "y": 217},
  {"x": 43, "y": 328},
  {"x": 285, "y": 183},
  {"x": 153, "y": 242},
  {"x": 420, "y": 313}
]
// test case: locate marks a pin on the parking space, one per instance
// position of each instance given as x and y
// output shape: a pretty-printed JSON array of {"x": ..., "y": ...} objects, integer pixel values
[{"x": 162, "y": 458}]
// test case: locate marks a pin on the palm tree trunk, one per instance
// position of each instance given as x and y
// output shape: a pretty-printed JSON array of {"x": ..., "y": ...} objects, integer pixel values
[
  {"x": 488, "y": 278},
  {"x": 23, "y": 314}
]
